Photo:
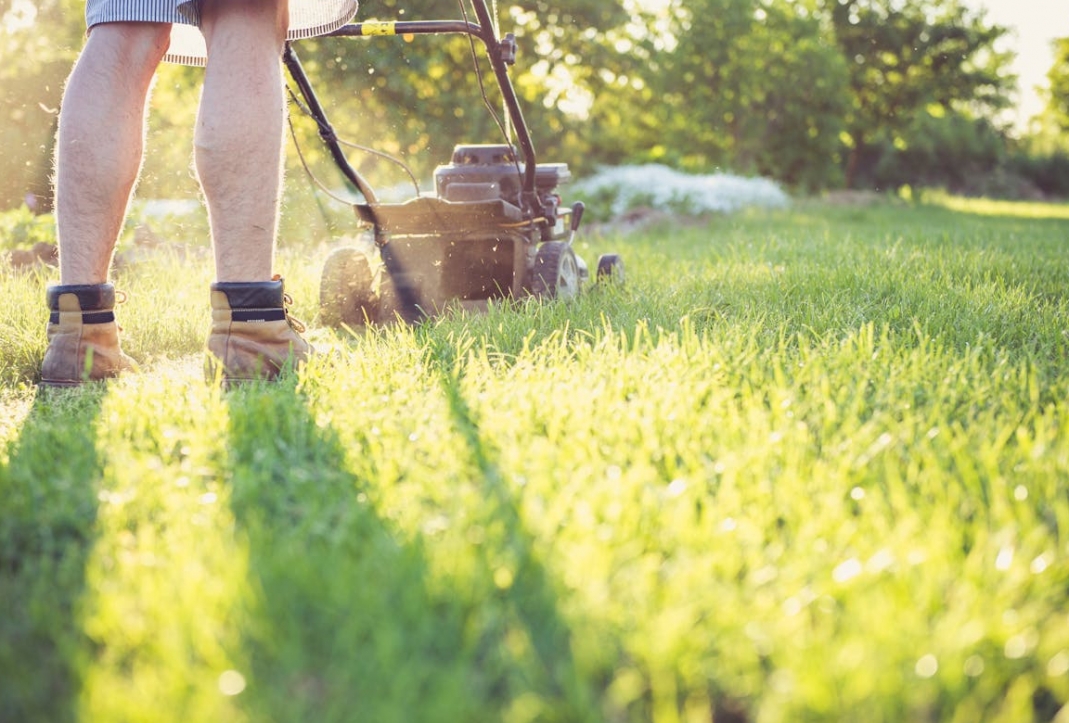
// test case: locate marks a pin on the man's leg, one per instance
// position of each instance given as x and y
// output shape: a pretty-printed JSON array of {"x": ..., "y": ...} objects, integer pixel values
[
  {"x": 98, "y": 156},
  {"x": 239, "y": 133},
  {"x": 100, "y": 143},
  {"x": 239, "y": 162}
]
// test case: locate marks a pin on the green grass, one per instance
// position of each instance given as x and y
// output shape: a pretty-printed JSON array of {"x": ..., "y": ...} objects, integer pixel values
[{"x": 805, "y": 466}]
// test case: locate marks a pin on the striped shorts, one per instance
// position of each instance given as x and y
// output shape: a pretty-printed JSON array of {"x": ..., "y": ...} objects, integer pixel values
[{"x": 308, "y": 18}]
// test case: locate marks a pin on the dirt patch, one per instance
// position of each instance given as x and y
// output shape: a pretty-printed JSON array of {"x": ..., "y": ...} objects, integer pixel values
[
  {"x": 40, "y": 254},
  {"x": 857, "y": 198}
]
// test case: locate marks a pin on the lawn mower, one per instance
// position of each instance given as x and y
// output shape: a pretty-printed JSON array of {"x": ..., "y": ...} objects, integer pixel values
[{"x": 495, "y": 227}]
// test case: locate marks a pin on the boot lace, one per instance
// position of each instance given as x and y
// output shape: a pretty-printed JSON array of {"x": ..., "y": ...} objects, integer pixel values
[
  {"x": 287, "y": 301},
  {"x": 296, "y": 324},
  {"x": 120, "y": 298}
]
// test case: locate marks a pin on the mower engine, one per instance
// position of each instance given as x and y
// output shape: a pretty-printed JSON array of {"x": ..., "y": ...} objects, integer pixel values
[{"x": 487, "y": 172}]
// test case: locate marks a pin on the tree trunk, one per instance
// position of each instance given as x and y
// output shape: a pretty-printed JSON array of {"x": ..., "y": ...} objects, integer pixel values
[{"x": 852, "y": 162}]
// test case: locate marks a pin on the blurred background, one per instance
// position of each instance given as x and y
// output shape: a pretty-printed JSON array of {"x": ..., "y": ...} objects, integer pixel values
[{"x": 817, "y": 95}]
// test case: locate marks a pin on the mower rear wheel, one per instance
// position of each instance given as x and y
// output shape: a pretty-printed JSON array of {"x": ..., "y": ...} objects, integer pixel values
[
  {"x": 556, "y": 272},
  {"x": 346, "y": 294},
  {"x": 610, "y": 269}
]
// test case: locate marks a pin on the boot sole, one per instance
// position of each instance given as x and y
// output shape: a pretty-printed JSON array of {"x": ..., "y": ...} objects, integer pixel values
[{"x": 59, "y": 384}]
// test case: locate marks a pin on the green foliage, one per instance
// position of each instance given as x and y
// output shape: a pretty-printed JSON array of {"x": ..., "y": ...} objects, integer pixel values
[
  {"x": 907, "y": 57},
  {"x": 1048, "y": 172},
  {"x": 804, "y": 466},
  {"x": 33, "y": 66},
  {"x": 968, "y": 156},
  {"x": 1049, "y": 135},
  {"x": 964, "y": 155},
  {"x": 774, "y": 88},
  {"x": 714, "y": 84},
  {"x": 755, "y": 88},
  {"x": 21, "y": 228},
  {"x": 1058, "y": 92}
]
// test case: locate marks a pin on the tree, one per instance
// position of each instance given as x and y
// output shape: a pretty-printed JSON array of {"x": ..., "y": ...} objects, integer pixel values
[
  {"x": 906, "y": 56},
  {"x": 1043, "y": 156},
  {"x": 749, "y": 85},
  {"x": 779, "y": 88},
  {"x": 1058, "y": 92}
]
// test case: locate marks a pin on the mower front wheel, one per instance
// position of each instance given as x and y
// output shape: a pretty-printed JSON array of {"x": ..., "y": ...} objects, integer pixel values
[
  {"x": 610, "y": 269},
  {"x": 556, "y": 272},
  {"x": 346, "y": 294}
]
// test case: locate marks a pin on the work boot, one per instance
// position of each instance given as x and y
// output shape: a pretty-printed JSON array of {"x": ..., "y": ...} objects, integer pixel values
[
  {"x": 83, "y": 338},
  {"x": 253, "y": 337}
]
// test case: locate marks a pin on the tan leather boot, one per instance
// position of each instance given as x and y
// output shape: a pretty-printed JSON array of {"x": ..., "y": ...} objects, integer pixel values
[
  {"x": 83, "y": 339},
  {"x": 253, "y": 337}
]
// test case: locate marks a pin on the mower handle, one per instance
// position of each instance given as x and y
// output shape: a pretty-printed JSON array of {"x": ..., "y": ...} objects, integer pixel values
[{"x": 500, "y": 52}]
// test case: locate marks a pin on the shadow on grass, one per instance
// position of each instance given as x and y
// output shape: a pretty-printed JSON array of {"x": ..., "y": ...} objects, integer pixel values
[
  {"x": 351, "y": 623},
  {"x": 346, "y": 629},
  {"x": 530, "y": 642},
  {"x": 48, "y": 515}
]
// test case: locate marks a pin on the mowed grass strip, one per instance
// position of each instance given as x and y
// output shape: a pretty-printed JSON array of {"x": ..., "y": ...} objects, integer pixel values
[{"x": 811, "y": 465}]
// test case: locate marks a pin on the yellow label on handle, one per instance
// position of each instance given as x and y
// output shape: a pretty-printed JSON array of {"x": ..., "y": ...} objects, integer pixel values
[{"x": 377, "y": 28}]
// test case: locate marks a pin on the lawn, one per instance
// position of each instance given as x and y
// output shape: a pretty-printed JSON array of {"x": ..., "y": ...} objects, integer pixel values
[{"x": 807, "y": 465}]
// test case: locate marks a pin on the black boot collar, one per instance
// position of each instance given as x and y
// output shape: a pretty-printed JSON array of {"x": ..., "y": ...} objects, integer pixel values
[
  {"x": 251, "y": 294},
  {"x": 91, "y": 297}
]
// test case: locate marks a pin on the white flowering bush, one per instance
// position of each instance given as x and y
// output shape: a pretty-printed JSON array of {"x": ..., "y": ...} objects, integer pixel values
[{"x": 614, "y": 191}]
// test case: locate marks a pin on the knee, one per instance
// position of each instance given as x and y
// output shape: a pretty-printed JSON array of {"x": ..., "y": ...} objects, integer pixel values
[
  {"x": 138, "y": 46},
  {"x": 261, "y": 22}
]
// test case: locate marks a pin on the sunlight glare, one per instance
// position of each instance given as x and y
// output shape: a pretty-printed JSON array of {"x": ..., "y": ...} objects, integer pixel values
[
  {"x": 231, "y": 682},
  {"x": 21, "y": 16},
  {"x": 658, "y": 7},
  {"x": 565, "y": 93}
]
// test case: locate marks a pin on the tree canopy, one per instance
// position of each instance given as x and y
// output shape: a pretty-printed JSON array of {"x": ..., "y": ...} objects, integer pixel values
[{"x": 755, "y": 87}]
